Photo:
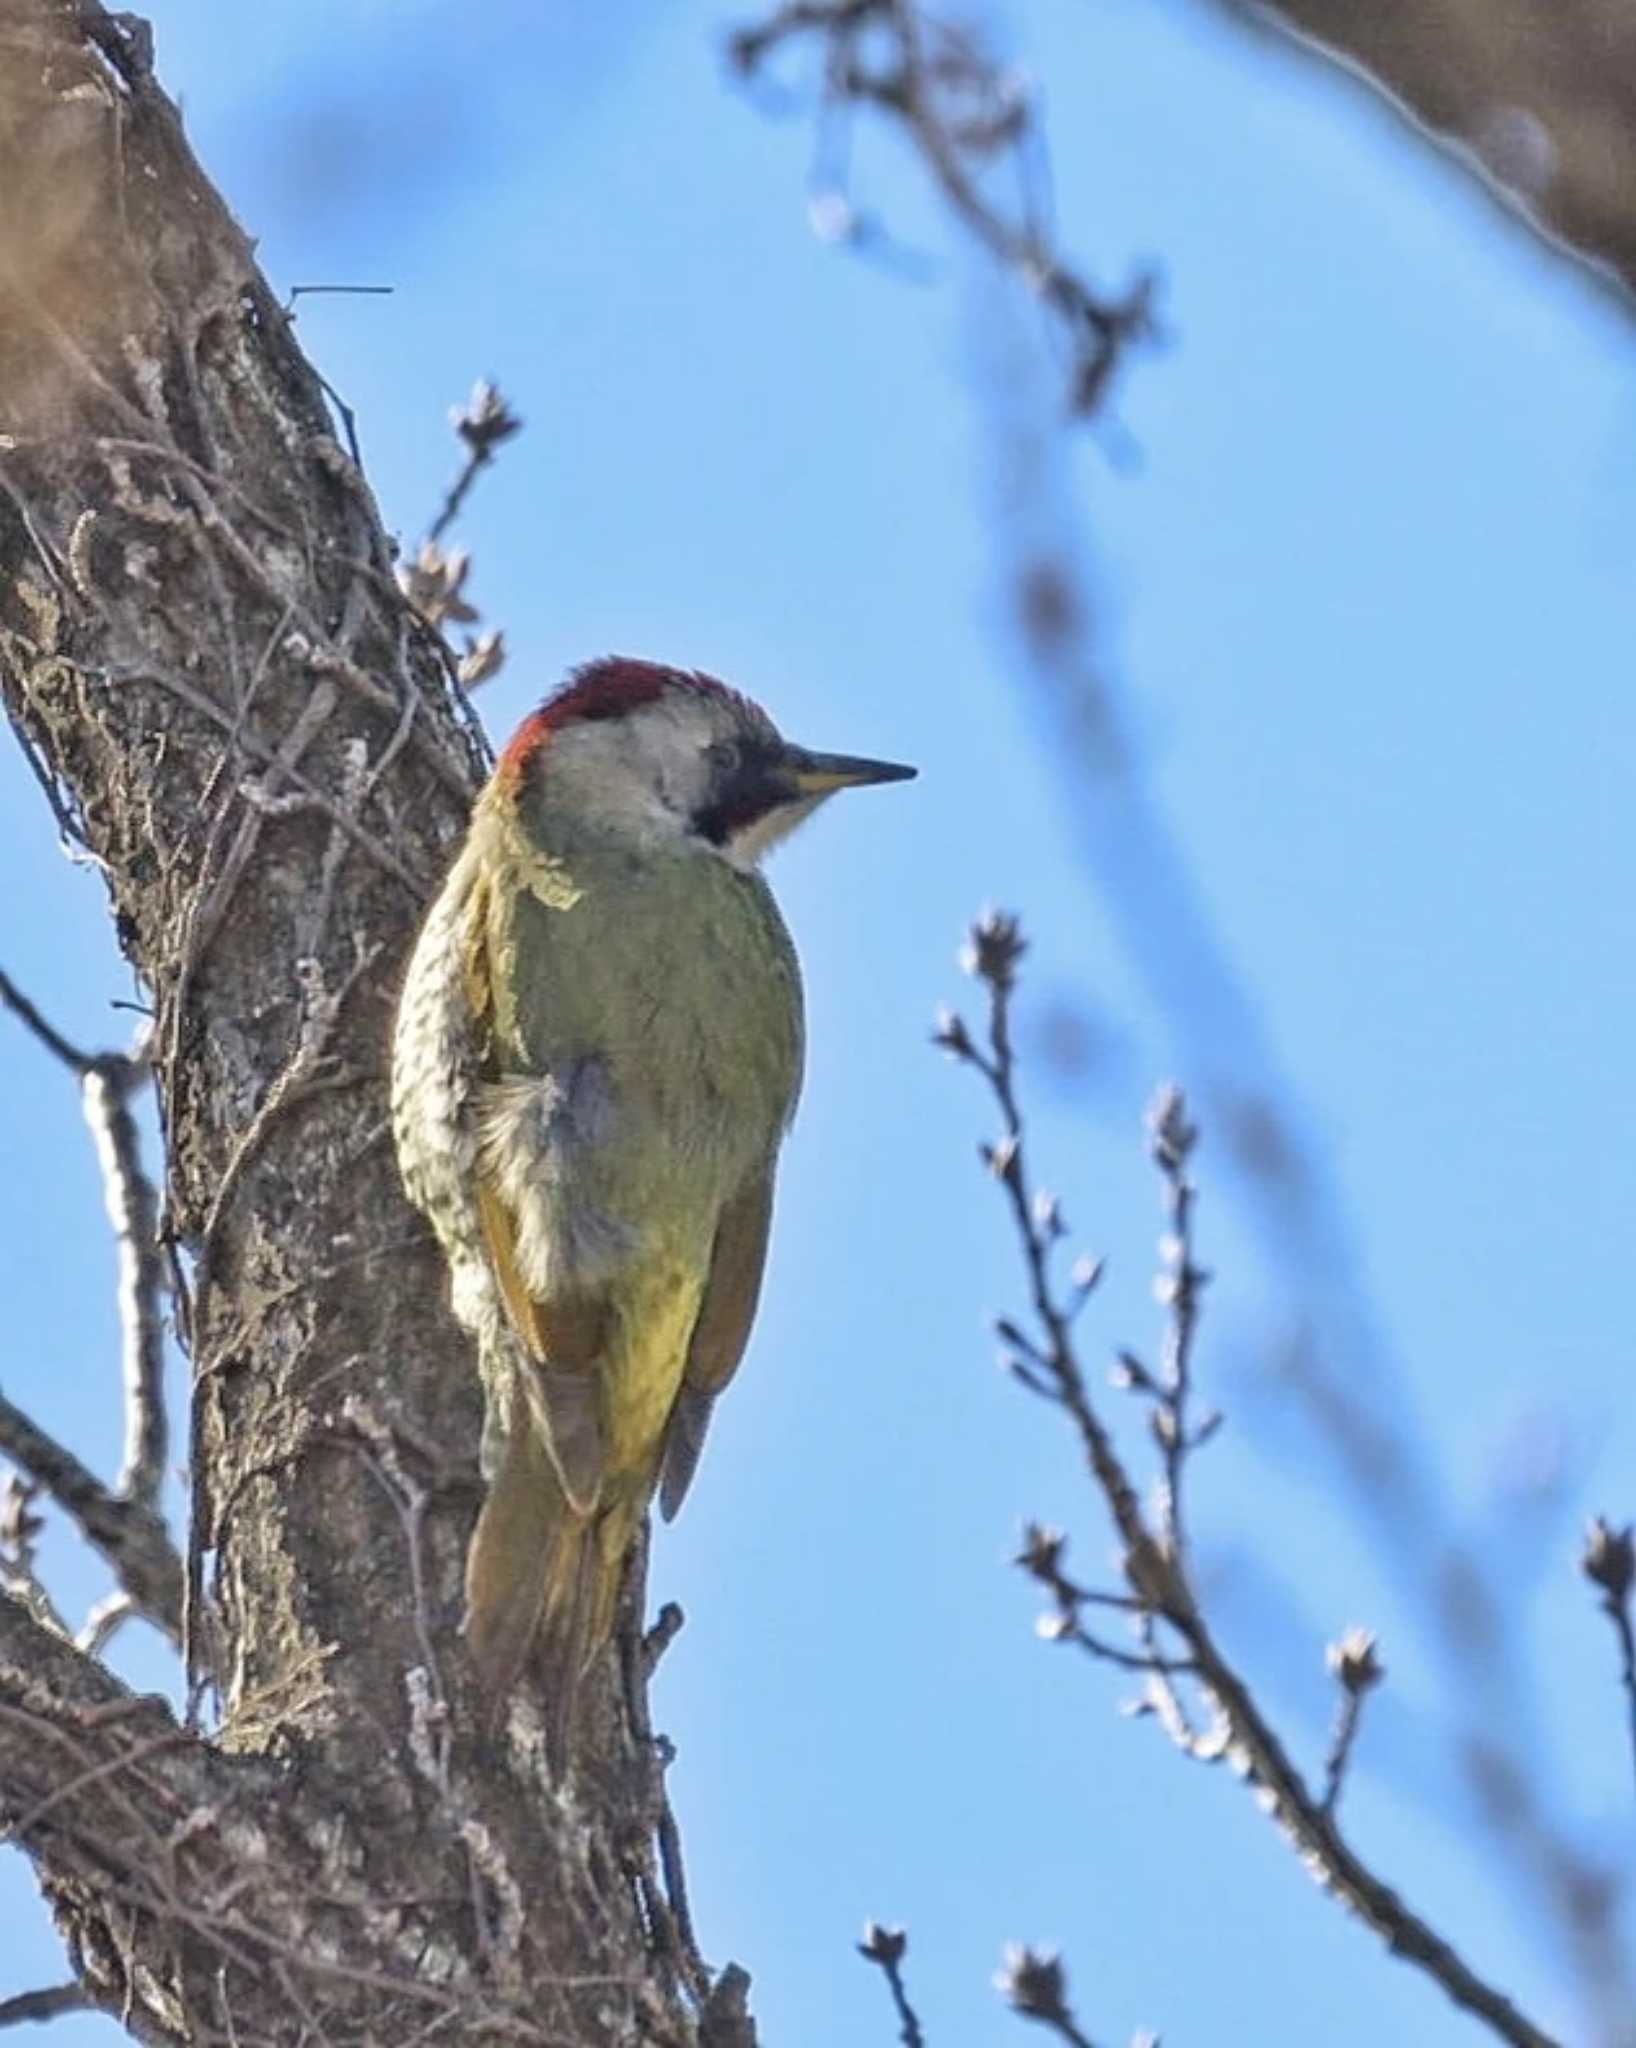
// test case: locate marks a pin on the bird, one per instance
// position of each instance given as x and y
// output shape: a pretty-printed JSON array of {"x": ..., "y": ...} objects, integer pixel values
[{"x": 597, "y": 1051}]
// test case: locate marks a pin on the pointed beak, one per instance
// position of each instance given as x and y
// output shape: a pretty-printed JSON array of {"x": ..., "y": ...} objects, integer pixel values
[{"x": 818, "y": 774}]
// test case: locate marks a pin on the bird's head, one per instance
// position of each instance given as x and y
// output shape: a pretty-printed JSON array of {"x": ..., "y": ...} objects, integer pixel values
[{"x": 647, "y": 754}]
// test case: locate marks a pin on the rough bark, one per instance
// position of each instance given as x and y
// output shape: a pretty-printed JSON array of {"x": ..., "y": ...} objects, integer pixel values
[
  {"x": 1538, "y": 97},
  {"x": 203, "y": 649}
]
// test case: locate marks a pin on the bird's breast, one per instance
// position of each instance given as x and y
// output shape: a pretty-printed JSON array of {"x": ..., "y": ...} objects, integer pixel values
[{"x": 678, "y": 975}]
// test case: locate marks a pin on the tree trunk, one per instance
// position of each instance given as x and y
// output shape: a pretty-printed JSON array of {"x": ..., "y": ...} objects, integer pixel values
[{"x": 206, "y": 654}]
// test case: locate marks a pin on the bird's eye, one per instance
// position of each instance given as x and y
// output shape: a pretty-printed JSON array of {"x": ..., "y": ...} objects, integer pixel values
[{"x": 723, "y": 756}]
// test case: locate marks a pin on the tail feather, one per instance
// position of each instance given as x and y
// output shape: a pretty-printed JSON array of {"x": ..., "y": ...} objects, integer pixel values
[
  {"x": 542, "y": 1582},
  {"x": 525, "y": 1545}
]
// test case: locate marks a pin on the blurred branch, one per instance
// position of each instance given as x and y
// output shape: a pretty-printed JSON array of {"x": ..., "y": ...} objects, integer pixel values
[
  {"x": 876, "y": 51},
  {"x": 888, "y": 57},
  {"x": 1535, "y": 100},
  {"x": 1157, "y": 906},
  {"x": 42, "y": 2005},
  {"x": 1193, "y": 1690},
  {"x": 884, "y": 1947},
  {"x": 965, "y": 116},
  {"x": 1609, "y": 1562},
  {"x": 1342, "y": 1371},
  {"x": 13, "y": 999}
]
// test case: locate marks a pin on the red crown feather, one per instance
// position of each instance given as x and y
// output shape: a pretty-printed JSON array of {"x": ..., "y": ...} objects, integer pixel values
[{"x": 609, "y": 687}]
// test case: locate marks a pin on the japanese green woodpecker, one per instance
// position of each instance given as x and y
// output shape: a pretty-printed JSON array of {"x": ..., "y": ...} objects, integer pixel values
[{"x": 597, "y": 1052}]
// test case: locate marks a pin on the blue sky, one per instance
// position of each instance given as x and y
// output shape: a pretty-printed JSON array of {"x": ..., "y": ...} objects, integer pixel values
[{"x": 1367, "y": 595}]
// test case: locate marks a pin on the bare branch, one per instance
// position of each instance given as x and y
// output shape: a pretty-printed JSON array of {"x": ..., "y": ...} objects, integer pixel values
[
  {"x": 1609, "y": 1562},
  {"x": 1158, "y": 908},
  {"x": 963, "y": 114},
  {"x": 1347, "y": 1380},
  {"x": 435, "y": 581},
  {"x": 1155, "y": 1565},
  {"x": 482, "y": 423},
  {"x": 42, "y": 2005},
  {"x": 1041, "y": 1557},
  {"x": 885, "y": 1948},
  {"x": 106, "y": 1088},
  {"x": 669, "y": 1911},
  {"x": 667, "y": 1626},
  {"x": 128, "y": 1534},
  {"x": 104, "y": 1622},
  {"x": 1034, "y": 1984},
  {"x": 1171, "y": 1140},
  {"x": 1357, "y": 1672},
  {"x": 32, "y": 1021},
  {"x": 127, "y": 1517},
  {"x": 20, "y": 1529}
]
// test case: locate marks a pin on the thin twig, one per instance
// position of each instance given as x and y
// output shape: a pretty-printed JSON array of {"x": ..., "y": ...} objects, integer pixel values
[
  {"x": 20, "y": 1529},
  {"x": 1357, "y": 1672},
  {"x": 349, "y": 418},
  {"x": 30, "y": 1018},
  {"x": 667, "y": 1626},
  {"x": 674, "y": 1870},
  {"x": 884, "y": 1947},
  {"x": 670, "y": 1913},
  {"x": 128, "y": 1534},
  {"x": 107, "y": 1083},
  {"x": 1609, "y": 1561},
  {"x": 1171, "y": 1141},
  {"x": 310, "y": 1070},
  {"x": 104, "y": 1622},
  {"x": 69, "y": 826},
  {"x": 1041, "y": 1557},
  {"x": 377, "y": 1447},
  {"x": 123, "y": 1522},
  {"x": 1034, "y": 1983},
  {"x": 482, "y": 424},
  {"x": 435, "y": 581},
  {"x": 43, "y": 2005}
]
